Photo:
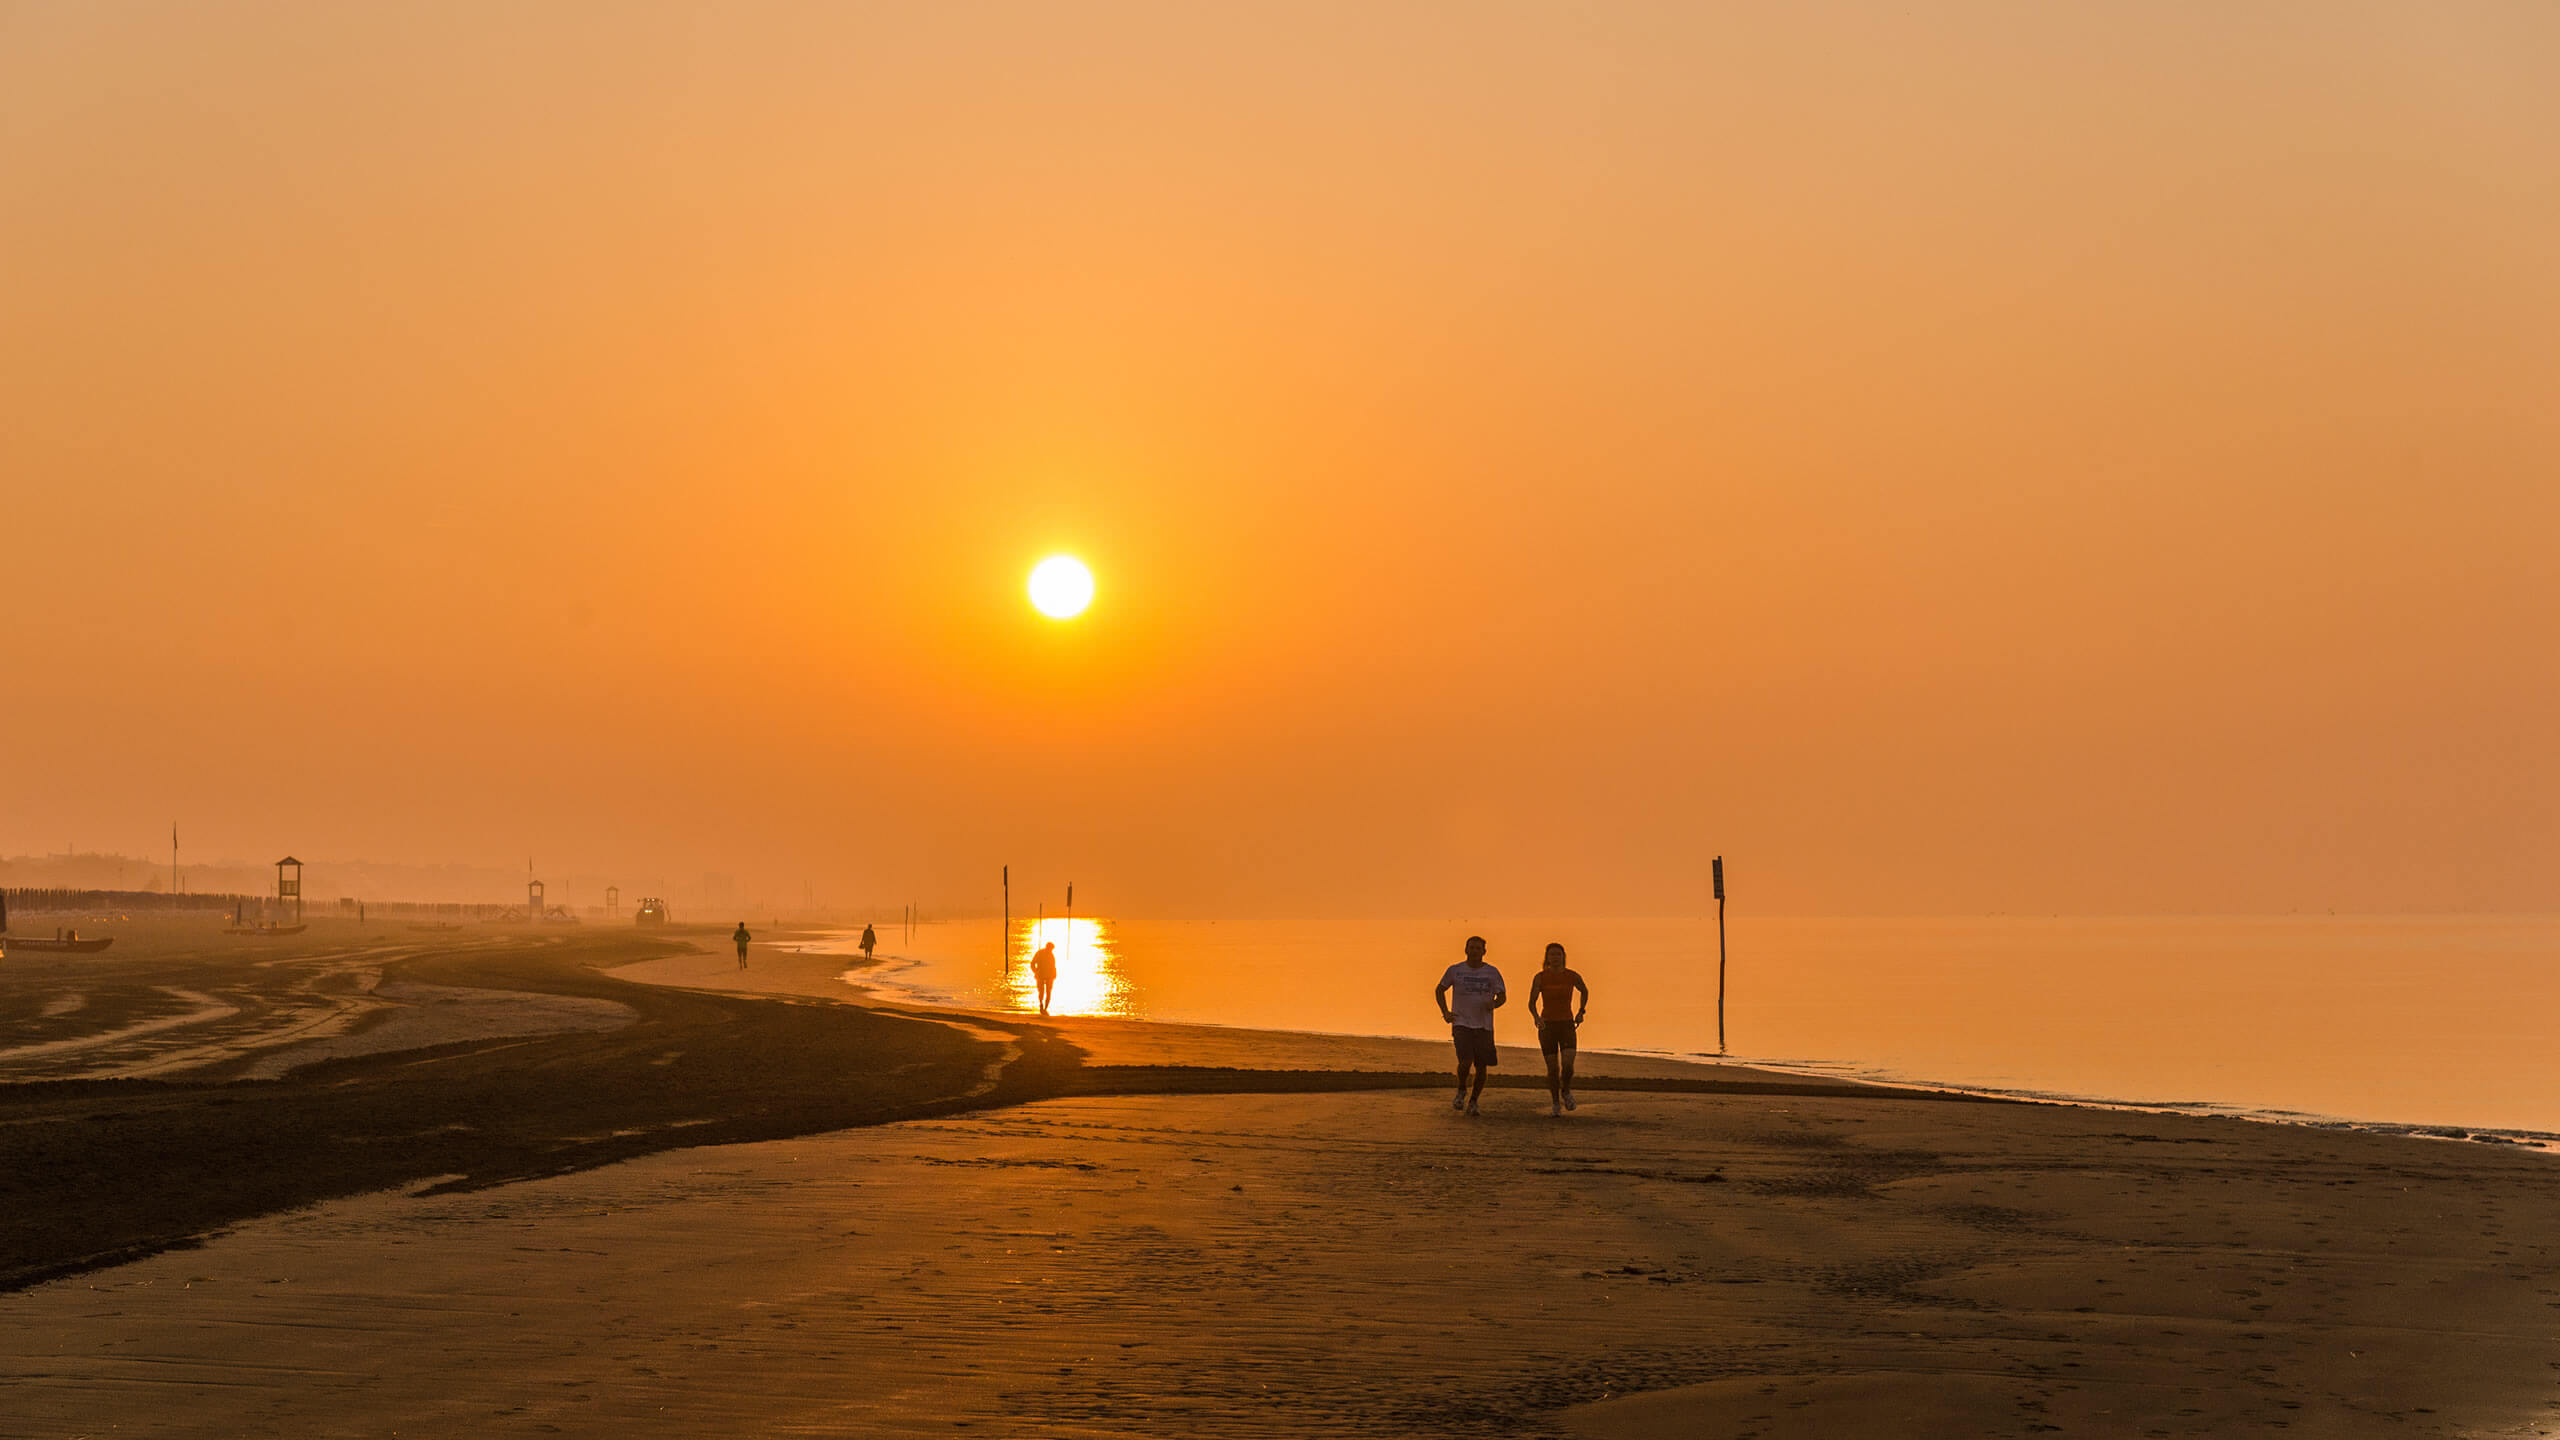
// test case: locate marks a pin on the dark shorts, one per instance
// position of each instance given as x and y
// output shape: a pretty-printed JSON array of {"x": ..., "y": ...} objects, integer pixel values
[
  {"x": 1556, "y": 1035},
  {"x": 1475, "y": 1047}
]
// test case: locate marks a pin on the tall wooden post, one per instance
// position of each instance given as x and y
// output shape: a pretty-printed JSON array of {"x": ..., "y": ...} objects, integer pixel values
[
  {"x": 1071, "y": 919},
  {"x": 1004, "y": 941},
  {"x": 1719, "y": 872}
]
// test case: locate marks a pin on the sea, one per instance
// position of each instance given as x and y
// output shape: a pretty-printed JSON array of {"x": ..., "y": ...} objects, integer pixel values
[{"x": 2425, "y": 1022}]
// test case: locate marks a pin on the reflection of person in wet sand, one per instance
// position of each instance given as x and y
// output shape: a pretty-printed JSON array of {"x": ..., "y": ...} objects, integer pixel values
[
  {"x": 1468, "y": 994},
  {"x": 868, "y": 940},
  {"x": 1551, "y": 1006},
  {"x": 1044, "y": 969},
  {"x": 742, "y": 937}
]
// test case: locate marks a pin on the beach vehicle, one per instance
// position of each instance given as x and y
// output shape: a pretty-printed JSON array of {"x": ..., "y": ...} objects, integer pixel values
[{"x": 652, "y": 911}]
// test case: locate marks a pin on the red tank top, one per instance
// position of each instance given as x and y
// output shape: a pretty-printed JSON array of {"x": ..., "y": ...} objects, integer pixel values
[{"x": 1555, "y": 994}]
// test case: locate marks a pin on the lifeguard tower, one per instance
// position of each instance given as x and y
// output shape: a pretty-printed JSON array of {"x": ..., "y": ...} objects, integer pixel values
[
  {"x": 612, "y": 901},
  {"x": 533, "y": 901},
  {"x": 289, "y": 888}
]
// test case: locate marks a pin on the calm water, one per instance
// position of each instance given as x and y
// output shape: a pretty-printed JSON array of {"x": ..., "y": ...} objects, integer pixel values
[{"x": 2426, "y": 1020}]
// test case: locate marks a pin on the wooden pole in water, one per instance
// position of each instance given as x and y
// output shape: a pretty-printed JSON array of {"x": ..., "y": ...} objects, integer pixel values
[
  {"x": 1071, "y": 919},
  {"x": 1004, "y": 941},
  {"x": 1719, "y": 873}
]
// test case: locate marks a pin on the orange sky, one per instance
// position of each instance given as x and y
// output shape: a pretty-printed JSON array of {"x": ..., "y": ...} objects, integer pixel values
[{"x": 2010, "y": 457}]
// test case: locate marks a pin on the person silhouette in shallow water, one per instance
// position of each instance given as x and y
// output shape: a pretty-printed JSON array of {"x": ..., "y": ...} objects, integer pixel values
[
  {"x": 1044, "y": 969},
  {"x": 868, "y": 940},
  {"x": 1468, "y": 994},
  {"x": 742, "y": 937}
]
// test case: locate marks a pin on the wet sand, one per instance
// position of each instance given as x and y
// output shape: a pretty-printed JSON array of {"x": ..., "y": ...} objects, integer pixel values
[
  {"x": 1362, "y": 1265},
  {"x": 99, "y": 1166},
  {"x": 1708, "y": 1256},
  {"x": 175, "y": 998}
]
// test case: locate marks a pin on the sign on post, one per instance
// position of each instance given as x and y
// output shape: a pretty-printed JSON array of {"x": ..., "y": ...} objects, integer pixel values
[{"x": 1719, "y": 874}]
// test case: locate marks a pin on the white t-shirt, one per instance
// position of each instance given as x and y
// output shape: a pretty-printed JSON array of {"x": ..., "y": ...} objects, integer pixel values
[{"x": 1472, "y": 989}]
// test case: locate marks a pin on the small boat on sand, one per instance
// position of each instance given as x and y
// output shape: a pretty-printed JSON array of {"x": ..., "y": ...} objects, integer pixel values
[
  {"x": 70, "y": 944},
  {"x": 63, "y": 941}
]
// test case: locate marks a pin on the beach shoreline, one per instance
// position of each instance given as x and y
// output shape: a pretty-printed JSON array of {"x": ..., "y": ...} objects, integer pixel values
[
  {"x": 2413, "y": 1023},
  {"x": 124, "y": 1137},
  {"x": 851, "y": 968}
]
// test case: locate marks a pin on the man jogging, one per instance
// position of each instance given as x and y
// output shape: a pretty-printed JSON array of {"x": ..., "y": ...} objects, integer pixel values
[
  {"x": 1551, "y": 999},
  {"x": 742, "y": 937},
  {"x": 1468, "y": 994}
]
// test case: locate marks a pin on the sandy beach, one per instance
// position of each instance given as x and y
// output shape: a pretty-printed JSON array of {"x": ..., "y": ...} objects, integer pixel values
[{"x": 922, "y": 1224}]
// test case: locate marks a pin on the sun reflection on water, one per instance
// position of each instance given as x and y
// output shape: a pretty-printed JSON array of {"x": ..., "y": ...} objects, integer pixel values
[{"x": 1090, "y": 979}]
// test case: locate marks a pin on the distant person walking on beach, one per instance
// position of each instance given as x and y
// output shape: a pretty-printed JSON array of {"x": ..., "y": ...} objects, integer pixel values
[
  {"x": 1551, "y": 1006},
  {"x": 1468, "y": 994},
  {"x": 868, "y": 940},
  {"x": 742, "y": 937},
  {"x": 1044, "y": 969}
]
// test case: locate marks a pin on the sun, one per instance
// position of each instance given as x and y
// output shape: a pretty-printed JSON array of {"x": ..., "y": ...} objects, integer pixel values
[{"x": 1061, "y": 587}]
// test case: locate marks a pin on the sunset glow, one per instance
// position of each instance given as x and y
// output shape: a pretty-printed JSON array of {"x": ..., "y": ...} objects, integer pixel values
[
  {"x": 1089, "y": 978},
  {"x": 1484, "y": 459}
]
